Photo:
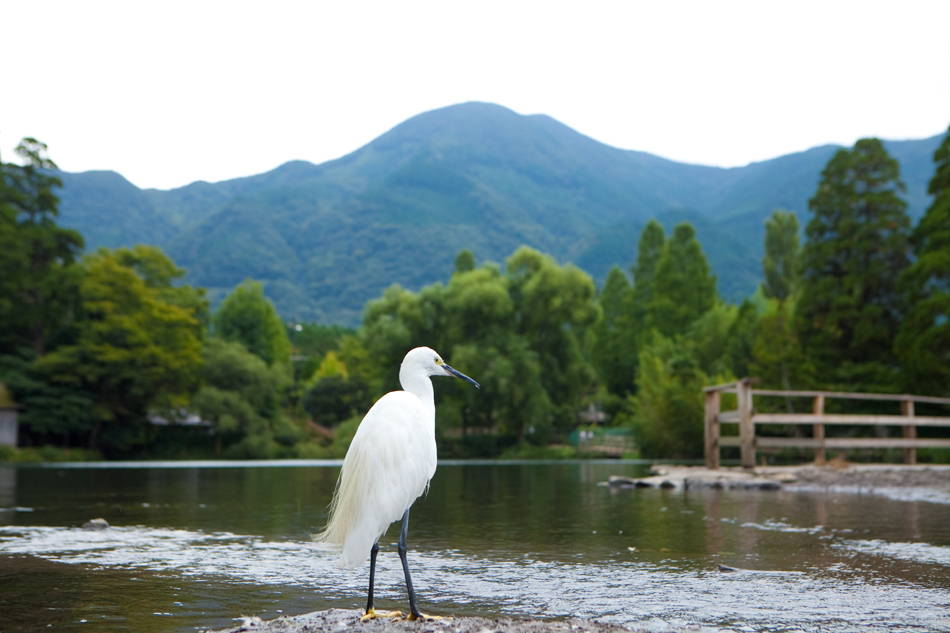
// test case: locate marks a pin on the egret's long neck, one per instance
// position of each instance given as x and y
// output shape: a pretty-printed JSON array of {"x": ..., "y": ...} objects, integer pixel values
[{"x": 420, "y": 385}]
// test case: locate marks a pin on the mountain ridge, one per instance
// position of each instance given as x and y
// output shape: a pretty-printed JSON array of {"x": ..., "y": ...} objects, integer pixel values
[{"x": 325, "y": 238}]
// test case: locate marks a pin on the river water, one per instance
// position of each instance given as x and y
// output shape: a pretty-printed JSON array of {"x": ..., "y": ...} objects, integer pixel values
[{"x": 194, "y": 545}]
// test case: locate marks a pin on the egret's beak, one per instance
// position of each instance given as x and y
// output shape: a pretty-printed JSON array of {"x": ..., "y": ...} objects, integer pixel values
[{"x": 459, "y": 374}]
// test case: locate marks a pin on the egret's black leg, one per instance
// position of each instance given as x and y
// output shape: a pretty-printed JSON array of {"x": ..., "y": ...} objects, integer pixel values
[
  {"x": 372, "y": 575},
  {"x": 413, "y": 610}
]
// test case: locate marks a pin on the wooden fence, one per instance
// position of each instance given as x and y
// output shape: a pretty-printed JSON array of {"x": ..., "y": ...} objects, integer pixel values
[{"x": 747, "y": 419}]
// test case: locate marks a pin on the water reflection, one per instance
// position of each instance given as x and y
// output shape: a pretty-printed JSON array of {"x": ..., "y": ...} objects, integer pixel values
[
  {"x": 7, "y": 494},
  {"x": 204, "y": 544}
]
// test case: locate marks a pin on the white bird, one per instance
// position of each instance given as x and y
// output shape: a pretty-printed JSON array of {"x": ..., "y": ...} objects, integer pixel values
[{"x": 389, "y": 464}]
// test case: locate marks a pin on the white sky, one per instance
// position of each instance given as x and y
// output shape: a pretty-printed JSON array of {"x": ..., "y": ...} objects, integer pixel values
[{"x": 167, "y": 93}]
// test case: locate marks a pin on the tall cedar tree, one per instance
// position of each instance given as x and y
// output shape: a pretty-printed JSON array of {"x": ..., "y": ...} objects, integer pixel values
[
  {"x": 683, "y": 288},
  {"x": 780, "y": 264},
  {"x": 857, "y": 246},
  {"x": 923, "y": 344},
  {"x": 612, "y": 351},
  {"x": 649, "y": 249},
  {"x": 40, "y": 284}
]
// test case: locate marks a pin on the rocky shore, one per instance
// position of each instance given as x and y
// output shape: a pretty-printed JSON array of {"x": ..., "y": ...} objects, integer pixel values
[
  {"x": 339, "y": 620},
  {"x": 897, "y": 481}
]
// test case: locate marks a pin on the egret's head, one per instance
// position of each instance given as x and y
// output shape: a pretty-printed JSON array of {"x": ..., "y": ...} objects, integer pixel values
[{"x": 429, "y": 361}]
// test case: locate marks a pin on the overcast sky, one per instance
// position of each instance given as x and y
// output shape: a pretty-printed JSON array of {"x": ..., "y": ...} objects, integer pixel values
[{"x": 167, "y": 93}]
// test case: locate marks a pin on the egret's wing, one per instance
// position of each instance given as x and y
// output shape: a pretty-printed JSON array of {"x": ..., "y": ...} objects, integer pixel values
[{"x": 388, "y": 465}]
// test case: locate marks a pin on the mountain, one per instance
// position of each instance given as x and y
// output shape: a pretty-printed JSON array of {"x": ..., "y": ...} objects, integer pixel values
[{"x": 326, "y": 238}]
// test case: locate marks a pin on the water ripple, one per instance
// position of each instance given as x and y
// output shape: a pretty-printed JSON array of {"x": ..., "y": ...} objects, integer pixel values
[{"x": 652, "y": 595}]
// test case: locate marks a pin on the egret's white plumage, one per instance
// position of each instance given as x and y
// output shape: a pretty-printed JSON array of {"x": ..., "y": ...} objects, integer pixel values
[{"x": 390, "y": 461}]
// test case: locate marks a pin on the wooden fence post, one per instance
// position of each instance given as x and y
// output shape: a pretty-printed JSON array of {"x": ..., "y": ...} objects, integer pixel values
[
  {"x": 818, "y": 430},
  {"x": 712, "y": 429},
  {"x": 910, "y": 431},
  {"x": 746, "y": 427}
]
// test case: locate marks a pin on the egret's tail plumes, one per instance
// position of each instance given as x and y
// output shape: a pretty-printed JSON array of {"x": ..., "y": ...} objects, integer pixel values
[{"x": 345, "y": 527}]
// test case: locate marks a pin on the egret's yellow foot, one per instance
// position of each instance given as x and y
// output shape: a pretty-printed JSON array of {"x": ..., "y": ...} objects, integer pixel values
[
  {"x": 372, "y": 614},
  {"x": 425, "y": 617}
]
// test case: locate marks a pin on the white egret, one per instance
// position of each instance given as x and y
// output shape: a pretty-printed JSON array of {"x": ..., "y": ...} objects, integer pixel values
[{"x": 389, "y": 464}]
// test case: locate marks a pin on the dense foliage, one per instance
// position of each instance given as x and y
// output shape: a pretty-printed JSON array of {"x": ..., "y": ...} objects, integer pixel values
[
  {"x": 35, "y": 303},
  {"x": 112, "y": 352},
  {"x": 858, "y": 245},
  {"x": 923, "y": 344},
  {"x": 520, "y": 332}
]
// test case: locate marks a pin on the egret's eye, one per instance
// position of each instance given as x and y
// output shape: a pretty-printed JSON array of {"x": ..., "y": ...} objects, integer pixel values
[{"x": 438, "y": 361}]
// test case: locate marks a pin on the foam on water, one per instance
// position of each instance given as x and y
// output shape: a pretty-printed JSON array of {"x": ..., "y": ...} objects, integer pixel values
[
  {"x": 915, "y": 552},
  {"x": 659, "y": 595}
]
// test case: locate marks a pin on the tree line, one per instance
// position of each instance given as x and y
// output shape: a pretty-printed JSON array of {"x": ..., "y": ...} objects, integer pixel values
[{"x": 99, "y": 347}]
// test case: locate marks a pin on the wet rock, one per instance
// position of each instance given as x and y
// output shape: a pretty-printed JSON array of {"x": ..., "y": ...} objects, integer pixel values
[
  {"x": 95, "y": 524},
  {"x": 338, "y": 620},
  {"x": 697, "y": 478},
  {"x": 727, "y": 568}
]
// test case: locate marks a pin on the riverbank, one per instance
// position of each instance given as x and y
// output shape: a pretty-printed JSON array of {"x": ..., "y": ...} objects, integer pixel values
[
  {"x": 337, "y": 620},
  {"x": 896, "y": 481}
]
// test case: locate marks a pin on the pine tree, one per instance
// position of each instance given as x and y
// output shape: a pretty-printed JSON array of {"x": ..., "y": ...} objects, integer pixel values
[
  {"x": 923, "y": 344},
  {"x": 857, "y": 246}
]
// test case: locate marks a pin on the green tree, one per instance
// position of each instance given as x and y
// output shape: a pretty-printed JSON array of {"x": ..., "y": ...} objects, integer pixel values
[
  {"x": 742, "y": 337},
  {"x": 132, "y": 351},
  {"x": 613, "y": 351},
  {"x": 464, "y": 261},
  {"x": 54, "y": 414},
  {"x": 554, "y": 307},
  {"x": 666, "y": 413},
  {"x": 248, "y": 317},
  {"x": 39, "y": 282},
  {"x": 710, "y": 339},
  {"x": 780, "y": 263},
  {"x": 518, "y": 333},
  {"x": 240, "y": 395},
  {"x": 310, "y": 342},
  {"x": 923, "y": 343},
  {"x": 682, "y": 287},
  {"x": 857, "y": 246},
  {"x": 337, "y": 398},
  {"x": 777, "y": 356},
  {"x": 160, "y": 273},
  {"x": 479, "y": 327},
  {"x": 649, "y": 250}
]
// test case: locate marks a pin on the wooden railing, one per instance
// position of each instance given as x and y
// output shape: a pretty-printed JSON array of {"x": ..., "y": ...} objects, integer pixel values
[{"x": 747, "y": 418}]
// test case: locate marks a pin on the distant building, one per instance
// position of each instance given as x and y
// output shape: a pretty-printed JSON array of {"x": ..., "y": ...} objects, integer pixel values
[
  {"x": 8, "y": 418},
  {"x": 181, "y": 417}
]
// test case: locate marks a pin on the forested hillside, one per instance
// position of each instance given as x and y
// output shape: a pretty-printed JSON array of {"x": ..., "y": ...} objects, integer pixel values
[
  {"x": 324, "y": 239},
  {"x": 110, "y": 354}
]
